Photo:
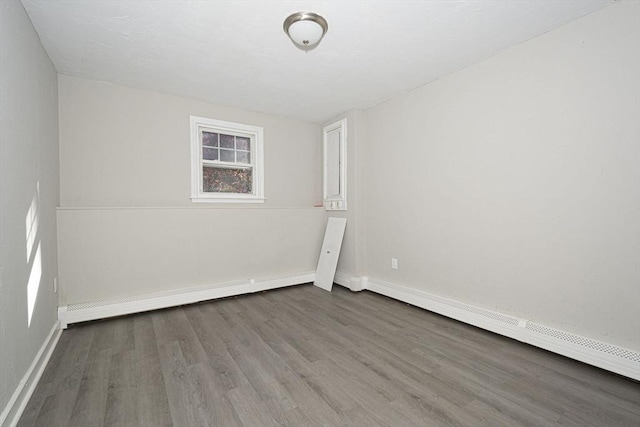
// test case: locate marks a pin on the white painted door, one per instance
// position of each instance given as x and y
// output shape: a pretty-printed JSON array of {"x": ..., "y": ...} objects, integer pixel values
[{"x": 328, "y": 260}]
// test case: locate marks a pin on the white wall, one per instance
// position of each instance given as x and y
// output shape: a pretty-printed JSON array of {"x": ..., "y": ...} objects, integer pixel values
[
  {"x": 28, "y": 172},
  {"x": 127, "y": 147},
  {"x": 127, "y": 224},
  {"x": 113, "y": 253},
  {"x": 514, "y": 184},
  {"x": 351, "y": 261}
]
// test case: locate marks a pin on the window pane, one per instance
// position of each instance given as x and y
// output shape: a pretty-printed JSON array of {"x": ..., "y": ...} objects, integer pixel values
[
  {"x": 223, "y": 180},
  {"x": 226, "y": 141},
  {"x": 242, "y": 143},
  {"x": 209, "y": 153},
  {"x": 227, "y": 155},
  {"x": 209, "y": 139},
  {"x": 243, "y": 157}
]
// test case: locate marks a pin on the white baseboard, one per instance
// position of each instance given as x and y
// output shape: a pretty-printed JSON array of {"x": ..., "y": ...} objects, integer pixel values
[
  {"x": 355, "y": 283},
  {"x": 12, "y": 412},
  {"x": 74, "y": 313},
  {"x": 597, "y": 353}
]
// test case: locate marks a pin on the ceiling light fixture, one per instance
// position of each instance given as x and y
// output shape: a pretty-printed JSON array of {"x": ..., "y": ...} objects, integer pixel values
[{"x": 306, "y": 29}]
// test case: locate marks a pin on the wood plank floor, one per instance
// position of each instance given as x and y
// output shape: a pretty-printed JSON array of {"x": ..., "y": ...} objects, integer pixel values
[{"x": 301, "y": 356}]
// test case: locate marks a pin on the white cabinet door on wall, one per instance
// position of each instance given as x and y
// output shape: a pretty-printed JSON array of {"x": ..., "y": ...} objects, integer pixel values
[{"x": 335, "y": 166}]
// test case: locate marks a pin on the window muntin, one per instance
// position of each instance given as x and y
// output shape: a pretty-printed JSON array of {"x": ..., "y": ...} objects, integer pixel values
[
  {"x": 225, "y": 148},
  {"x": 226, "y": 161}
]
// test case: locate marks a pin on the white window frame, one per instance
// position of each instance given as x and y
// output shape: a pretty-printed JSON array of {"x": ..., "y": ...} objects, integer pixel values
[
  {"x": 335, "y": 202},
  {"x": 256, "y": 135}
]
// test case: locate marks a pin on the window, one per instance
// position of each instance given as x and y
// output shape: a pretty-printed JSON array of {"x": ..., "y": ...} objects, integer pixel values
[
  {"x": 226, "y": 162},
  {"x": 335, "y": 166}
]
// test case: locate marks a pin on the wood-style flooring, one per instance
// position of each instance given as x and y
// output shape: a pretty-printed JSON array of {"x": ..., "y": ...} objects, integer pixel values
[{"x": 301, "y": 356}]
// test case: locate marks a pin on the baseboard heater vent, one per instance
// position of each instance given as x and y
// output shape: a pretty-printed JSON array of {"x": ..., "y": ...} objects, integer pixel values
[{"x": 585, "y": 342}]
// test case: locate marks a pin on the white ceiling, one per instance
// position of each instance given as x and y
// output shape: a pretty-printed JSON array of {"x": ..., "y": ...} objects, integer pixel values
[{"x": 235, "y": 53}]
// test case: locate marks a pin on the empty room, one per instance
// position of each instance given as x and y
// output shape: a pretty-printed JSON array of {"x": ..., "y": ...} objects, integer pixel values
[{"x": 319, "y": 213}]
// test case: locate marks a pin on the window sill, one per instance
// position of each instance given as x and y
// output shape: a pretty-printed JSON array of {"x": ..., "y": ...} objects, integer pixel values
[{"x": 227, "y": 199}]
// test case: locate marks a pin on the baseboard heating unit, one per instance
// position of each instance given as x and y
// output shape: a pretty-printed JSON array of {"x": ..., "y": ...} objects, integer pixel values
[
  {"x": 74, "y": 313},
  {"x": 597, "y": 353}
]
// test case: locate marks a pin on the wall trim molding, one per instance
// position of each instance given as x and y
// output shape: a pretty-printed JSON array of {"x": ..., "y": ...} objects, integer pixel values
[
  {"x": 194, "y": 207},
  {"x": 95, "y": 310},
  {"x": 597, "y": 353},
  {"x": 13, "y": 411}
]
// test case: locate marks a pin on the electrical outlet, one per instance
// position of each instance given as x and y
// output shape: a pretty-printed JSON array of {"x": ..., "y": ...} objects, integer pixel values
[
  {"x": 394, "y": 263},
  {"x": 55, "y": 285}
]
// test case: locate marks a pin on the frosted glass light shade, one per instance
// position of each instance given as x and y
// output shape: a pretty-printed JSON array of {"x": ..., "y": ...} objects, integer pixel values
[
  {"x": 306, "y": 29},
  {"x": 305, "y": 33}
]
